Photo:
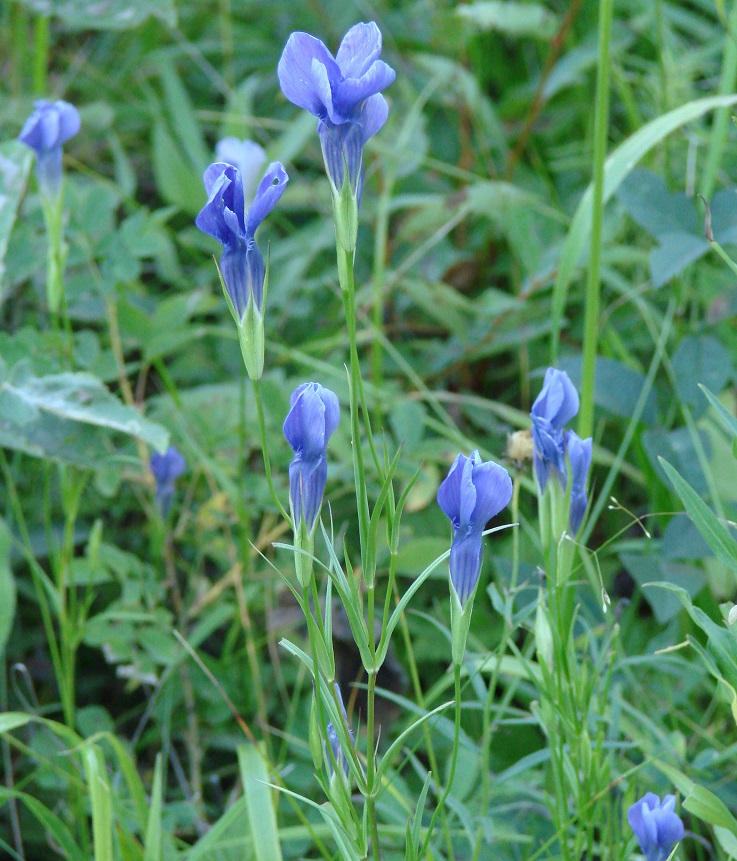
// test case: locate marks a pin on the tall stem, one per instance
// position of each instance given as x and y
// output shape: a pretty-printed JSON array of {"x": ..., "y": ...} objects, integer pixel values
[{"x": 593, "y": 282}]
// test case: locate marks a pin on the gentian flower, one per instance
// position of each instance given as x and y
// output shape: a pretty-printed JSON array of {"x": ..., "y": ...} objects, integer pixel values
[
  {"x": 338, "y": 756},
  {"x": 556, "y": 405},
  {"x": 470, "y": 496},
  {"x": 657, "y": 826},
  {"x": 313, "y": 417},
  {"x": 45, "y": 131},
  {"x": 247, "y": 156},
  {"x": 224, "y": 216},
  {"x": 166, "y": 469},
  {"x": 343, "y": 92},
  {"x": 579, "y": 456}
]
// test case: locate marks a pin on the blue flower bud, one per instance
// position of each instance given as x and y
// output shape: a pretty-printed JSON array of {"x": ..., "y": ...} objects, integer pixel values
[
  {"x": 45, "y": 131},
  {"x": 579, "y": 457},
  {"x": 312, "y": 419},
  {"x": 166, "y": 469},
  {"x": 556, "y": 405},
  {"x": 472, "y": 493}
]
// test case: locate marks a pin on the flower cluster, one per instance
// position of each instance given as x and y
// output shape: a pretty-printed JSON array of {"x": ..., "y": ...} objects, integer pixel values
[
  {"x": 656, "y": 825},
  {"x": 343, "y": 92},
  {"x": 555, "y": 447},
  {"x": 50, "y": 126}
]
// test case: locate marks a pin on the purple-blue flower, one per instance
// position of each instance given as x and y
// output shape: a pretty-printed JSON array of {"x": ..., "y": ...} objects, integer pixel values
[
  {"x": 224, "y": 216},
  {"x": 556, "y": 405},
  {"x": 338, "y": 756},
  {"x": 313, "y": 417},
  {"x": 657, "y": 826},
  {"x": 472, "y": 493},
  {"x": 343, "y": 92},
  {"x": 166, "y": 469},
  {"x": 45, "y": 131},
  {"x": 579, "y": 457}
]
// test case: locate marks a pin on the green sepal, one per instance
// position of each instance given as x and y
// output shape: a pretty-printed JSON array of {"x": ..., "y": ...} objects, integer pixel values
[
  {"x": 460, "y": 621},
  {"x": 345, "y": 214},
  {"x": 304, "y": 546}
]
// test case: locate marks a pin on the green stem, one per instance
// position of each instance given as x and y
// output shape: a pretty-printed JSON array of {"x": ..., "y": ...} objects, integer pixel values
[
  {"x": 348, "y": 288},
  {"x": 453, "y": 761},
  {"x": 40, "y": 54},
  {"x": 377, "y": 311},
  {"x": 371, "y": 789},
  {"x": 265, "y": 451},
  {"x": 720, "y": 127},
  {"x": 593, "y": 283}
]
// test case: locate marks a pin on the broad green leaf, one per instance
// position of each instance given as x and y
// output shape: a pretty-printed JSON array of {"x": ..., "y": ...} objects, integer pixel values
[
  {"x": 15, "y": 164},
  {"x": 259, "y": 804},
  {"x": 13, "y": 720},
  {"x": 178, "y": 180},
  {"x": 709, "y": 808},
  {"x": 616, "y": 168},
  {"x": 7, "y": 588},
  {"x": 700, "y": 359},
  {"x": 714, "y": 532},
  {"x": 71, "y": 397},
  {"x": 513, "y": 19},
  {"x": 104, "y": 14}
]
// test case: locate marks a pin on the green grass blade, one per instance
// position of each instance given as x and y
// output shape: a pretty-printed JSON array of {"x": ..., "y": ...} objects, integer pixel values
[
  {"x": 259, "y": 804},
  {"x": 713, "y": 531},
  {"x": 152, "y": 851},
  {"x": 101, "y": 802}
]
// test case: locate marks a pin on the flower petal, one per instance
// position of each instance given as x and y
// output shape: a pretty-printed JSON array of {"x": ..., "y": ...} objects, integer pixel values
[
  {"x": 361, "y": 45},
  {"x": 374, "y": 114},
  {"x": 493, "y": 491},
  {"x": 267, "y": 195},
  {"x": 295, "y": 71},
  {"x": 449, "y": 492},
  {"x": 349, "y": 95}
]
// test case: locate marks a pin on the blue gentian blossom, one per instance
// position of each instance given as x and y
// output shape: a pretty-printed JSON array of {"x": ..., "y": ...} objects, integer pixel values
[
  {"x": 472, "y": 493},
  {"x": 166, "y": 469},
  {"x": 579, "y": 457},
  {"x": 338, "y": 756},
  {"x": 224, "y": 216},
  {"x": 247, "y": 156},
  {"x": 343, "y": 92},
  {"x": 312, "y": 419},
  {"x": 50, "y": 126},
  {"x": 554, "y": 407},
  {"x": 657, "y": 826}
]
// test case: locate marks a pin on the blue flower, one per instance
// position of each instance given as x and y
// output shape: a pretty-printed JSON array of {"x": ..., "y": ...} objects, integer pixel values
[
  {"x": 657, "y": 826},
  {"x": 343, "y": 92},
  {"x": 556, "y": 405},
  {"x": 224, "y": 216},
  {"x": 166, "y": 469},
  {"x": 338, "y": 756},
  {"x": 247, "y": 156},
  {"x": 579, "y": 456},
  {"x": 45, "y": 131},
  {"x": 313, "y": 417},
  {"x": 472, "y": 493}
]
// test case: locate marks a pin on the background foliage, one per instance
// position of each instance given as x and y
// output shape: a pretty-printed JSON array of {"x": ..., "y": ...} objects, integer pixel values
[{"x": 473, "y": 240}]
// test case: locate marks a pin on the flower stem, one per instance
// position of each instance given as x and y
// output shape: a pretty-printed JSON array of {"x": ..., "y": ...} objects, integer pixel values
[{"x": 265, "y": 451}]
